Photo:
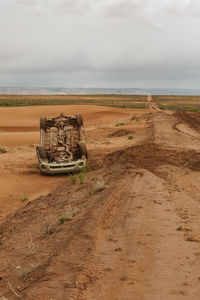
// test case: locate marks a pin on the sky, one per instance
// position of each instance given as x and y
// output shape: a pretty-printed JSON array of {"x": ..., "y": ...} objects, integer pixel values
[{"x": 100, "y": 43}]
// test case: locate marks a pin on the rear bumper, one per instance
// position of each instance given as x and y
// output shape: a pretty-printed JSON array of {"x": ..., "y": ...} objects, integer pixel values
[{"x": 58, "y": 168}]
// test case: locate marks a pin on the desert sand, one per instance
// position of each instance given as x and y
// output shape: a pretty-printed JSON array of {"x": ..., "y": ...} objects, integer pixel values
[{"x": 134, "y": 228}]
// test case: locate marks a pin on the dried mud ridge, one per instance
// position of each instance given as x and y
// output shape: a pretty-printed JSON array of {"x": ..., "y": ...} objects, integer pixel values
[
  {"x": 192, "y": 119},
  {"x": 150, "y": 156},
  {"x": 131, "y": 229}
]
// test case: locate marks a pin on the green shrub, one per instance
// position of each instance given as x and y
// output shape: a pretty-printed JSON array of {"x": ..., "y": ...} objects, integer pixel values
[
  {"x": 23, "y": 198},
  {"x": 63, "y": 219},
  {"x": 81, "y": 177},
  {"x": 73, "y": 178},
  {"x": 3, "y": 149},
  {"x": 86, "y": 169}
]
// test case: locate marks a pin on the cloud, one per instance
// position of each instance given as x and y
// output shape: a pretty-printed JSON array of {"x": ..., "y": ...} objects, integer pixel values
[
  {"x": 186, "y": 8},
  {"x": 116, "y": 42},
  {"x": 57, "y": 6},
  {"x": 149, "y": 12},
  {"x": 117, "y": 8}
]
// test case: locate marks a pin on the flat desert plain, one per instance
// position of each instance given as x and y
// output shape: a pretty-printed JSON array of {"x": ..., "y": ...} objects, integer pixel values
[{"x": 129, "y": 228}]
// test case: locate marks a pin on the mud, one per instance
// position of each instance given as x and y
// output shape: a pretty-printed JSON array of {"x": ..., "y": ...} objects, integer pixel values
[{"x": 130, "y": 230}]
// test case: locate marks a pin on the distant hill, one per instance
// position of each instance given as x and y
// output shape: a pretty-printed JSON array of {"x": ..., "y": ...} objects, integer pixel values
[{"x": 68, "y": 91}]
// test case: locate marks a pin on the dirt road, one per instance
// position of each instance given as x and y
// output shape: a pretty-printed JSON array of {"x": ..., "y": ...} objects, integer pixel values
[
  {"x": 150, "y": 104},
  {"x": 133, "y": 227},
  {"x": 150, "y": 247}
]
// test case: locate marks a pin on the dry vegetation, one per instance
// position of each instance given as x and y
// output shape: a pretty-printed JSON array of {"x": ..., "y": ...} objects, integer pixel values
[
  {"x": 121, "y": 101},
  {"x": 187, "y": 103},
  {"x": 165, "y": 102}
]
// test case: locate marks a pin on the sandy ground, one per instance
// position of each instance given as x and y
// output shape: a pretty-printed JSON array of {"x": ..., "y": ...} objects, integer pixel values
[
  {"x": 133, "y": 226},
  {"x": 19, "y": 132}
]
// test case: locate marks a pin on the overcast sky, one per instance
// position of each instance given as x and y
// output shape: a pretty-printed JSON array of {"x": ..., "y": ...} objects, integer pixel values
[{"x": 100, "y": 43}]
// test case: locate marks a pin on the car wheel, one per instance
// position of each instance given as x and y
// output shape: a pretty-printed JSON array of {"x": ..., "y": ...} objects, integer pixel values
[
  {"x": 42, "y": 122},
  {"x": 79, "y": 119},
  {"x": 42, "y": 153},
  {"x": 83, "y": 149}
]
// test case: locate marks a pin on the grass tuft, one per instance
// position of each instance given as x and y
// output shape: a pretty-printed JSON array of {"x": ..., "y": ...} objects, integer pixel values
[
  {"x": 23, "y": 198},
  {"x": 80, "y": 176},
  {"x": 49, "y": 226},
  {"x": 98, "y": 185},
  {"x": 63, "y": 219},
  {"x": 68, "y": 214},
  {"x": 119, "y": 124},
  {"x": 3, "y": 149}
]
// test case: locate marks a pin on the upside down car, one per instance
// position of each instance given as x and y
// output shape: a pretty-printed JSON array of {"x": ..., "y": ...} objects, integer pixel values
[{"x": 62, "y": 148}]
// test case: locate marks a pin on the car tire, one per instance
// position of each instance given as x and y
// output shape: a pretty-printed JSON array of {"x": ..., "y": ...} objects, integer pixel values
[
  {"x": 83, "y": 149},
  {"x": 41, "y": 152},
  {"x": 79, "y": 119},
  {"x": 42, "y": 122}
]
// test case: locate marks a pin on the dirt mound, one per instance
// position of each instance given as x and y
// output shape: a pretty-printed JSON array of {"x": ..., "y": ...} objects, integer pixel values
[
  {"x": 56, "y": 257},
  {"x": 119, "y": 133},
  {"x": 57, "y": 239},
  {"x": 150, "y": 156},
  {"x": 191, "y": 118}
]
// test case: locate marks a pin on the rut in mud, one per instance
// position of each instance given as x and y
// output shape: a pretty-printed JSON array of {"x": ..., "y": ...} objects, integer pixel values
[{"x": 130, "y": 231}]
